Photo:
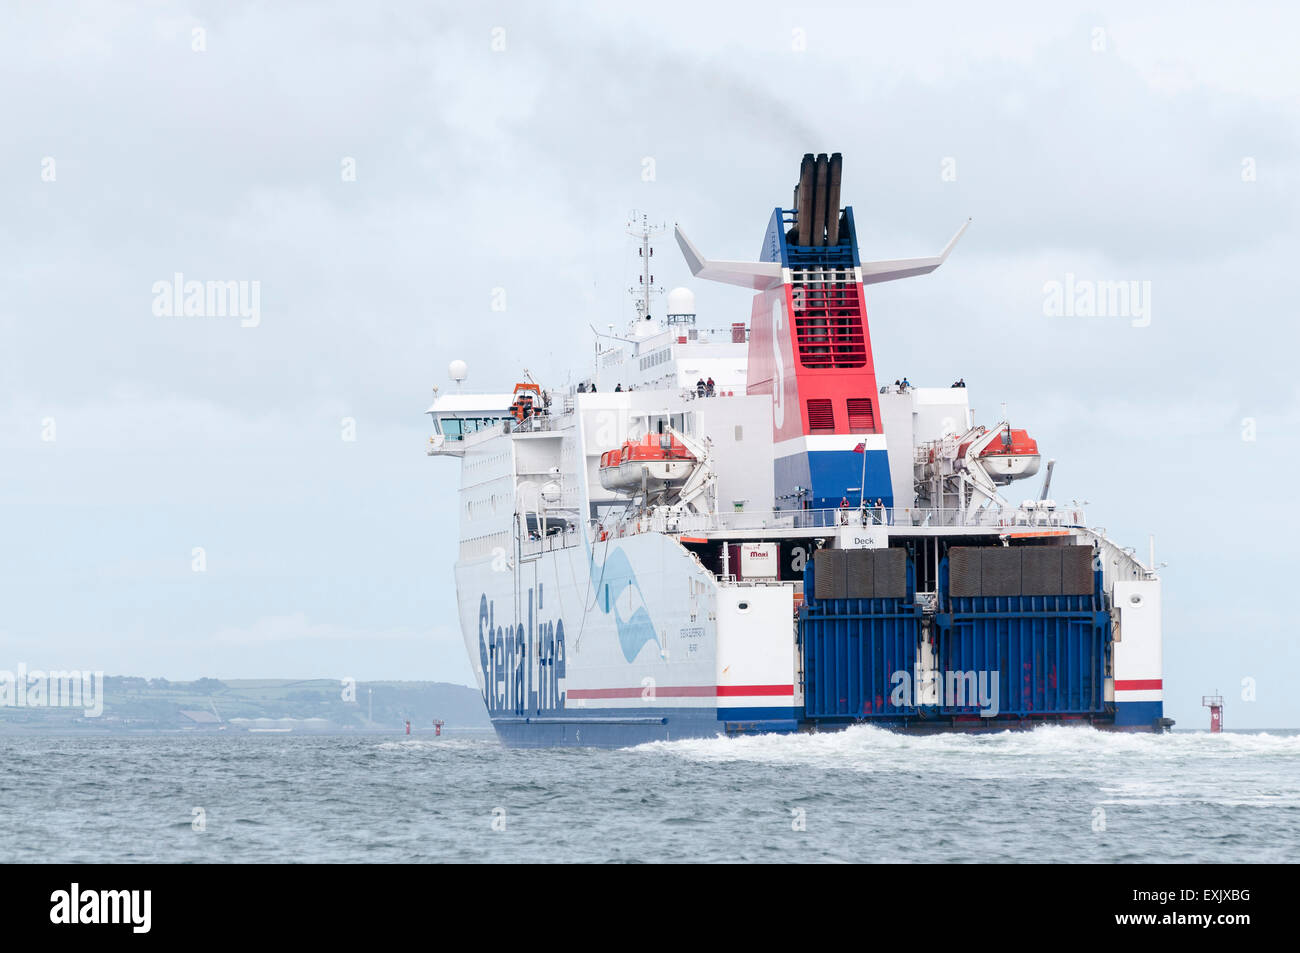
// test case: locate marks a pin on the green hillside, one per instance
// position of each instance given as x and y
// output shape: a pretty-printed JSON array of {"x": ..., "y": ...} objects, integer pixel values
[{"x": 211, "y": 704}]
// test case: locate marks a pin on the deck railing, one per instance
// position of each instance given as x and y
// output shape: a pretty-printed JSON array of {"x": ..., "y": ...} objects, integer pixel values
[
  {"x": 831, "y": 519},
  {"x": 757, "y": 521}
]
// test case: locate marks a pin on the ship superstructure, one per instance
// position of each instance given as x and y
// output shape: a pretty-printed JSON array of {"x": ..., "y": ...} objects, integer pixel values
[{"x": 736, "y": 527}]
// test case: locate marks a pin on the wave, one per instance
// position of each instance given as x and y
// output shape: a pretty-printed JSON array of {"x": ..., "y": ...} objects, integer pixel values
[
  {"x": 442, "y": 744},
  {"x": 1050, "y": 750}
]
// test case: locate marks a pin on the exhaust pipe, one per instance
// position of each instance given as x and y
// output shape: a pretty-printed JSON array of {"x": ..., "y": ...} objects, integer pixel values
[
  {"x": 819, "y": 205},
  {"x": 803, "y": 201},
  {"x": 833, "y": 201}
]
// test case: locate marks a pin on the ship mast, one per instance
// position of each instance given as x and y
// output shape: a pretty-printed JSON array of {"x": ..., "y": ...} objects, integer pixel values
[{"x": 645, "y": 286}]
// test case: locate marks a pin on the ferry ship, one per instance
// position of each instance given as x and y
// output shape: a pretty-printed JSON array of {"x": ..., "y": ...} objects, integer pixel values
[{"x": 741, "y": 527}]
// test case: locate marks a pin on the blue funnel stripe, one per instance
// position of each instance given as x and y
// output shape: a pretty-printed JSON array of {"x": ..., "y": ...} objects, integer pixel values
[{"x": 826, "y": 475}]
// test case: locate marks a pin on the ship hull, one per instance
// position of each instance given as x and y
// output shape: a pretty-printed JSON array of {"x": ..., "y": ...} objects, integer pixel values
[{"x": 630, "y": 641}]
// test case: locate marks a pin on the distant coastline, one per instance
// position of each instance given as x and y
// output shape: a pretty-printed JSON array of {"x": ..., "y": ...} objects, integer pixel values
[{"x": 260, "y": 705}]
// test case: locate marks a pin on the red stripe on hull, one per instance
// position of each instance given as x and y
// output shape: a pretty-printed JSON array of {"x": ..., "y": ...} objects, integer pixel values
[
  {"x": 683, "y": 691},
  {"x": 733, "y": 690},
  {"x": 1138, "y": 684}
]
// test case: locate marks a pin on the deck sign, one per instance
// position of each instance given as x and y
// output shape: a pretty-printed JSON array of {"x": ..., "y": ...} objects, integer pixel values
[{"x": 863, "y": 537}]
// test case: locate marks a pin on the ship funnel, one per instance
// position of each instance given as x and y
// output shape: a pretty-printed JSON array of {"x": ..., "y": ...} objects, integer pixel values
[{"x": 809, "y": 344}]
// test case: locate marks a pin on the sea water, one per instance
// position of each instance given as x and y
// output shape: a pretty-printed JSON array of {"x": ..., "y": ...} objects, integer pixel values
[{"x": 862, "y": 795}]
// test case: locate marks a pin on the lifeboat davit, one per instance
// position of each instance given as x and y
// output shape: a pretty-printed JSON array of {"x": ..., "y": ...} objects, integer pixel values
[
  {"x": 1013, "y": 455},
  {"x": 655, "y": 461},
  {"x": 528, "y": 402}
]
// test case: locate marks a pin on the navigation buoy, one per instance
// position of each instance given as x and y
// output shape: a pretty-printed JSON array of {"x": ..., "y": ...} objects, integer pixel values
[
  {"x": 1215, "y": 704},
  {"x": 437, "y": 728},
  {"x": 408, "y": 726}
]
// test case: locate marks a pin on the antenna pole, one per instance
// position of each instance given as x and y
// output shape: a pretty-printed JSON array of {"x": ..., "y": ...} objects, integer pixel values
[
  {"x": 645, "y": 267},
  {"x": 643, "y": 230}
]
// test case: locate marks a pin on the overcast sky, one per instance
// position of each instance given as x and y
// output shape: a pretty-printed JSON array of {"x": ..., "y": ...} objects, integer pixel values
[{"x": 503, "y": 148}]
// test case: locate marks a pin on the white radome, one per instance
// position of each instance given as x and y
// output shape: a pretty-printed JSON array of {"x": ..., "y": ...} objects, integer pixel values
[
  {"x": 458, "y": 370},
  {"x": 681, "y": 301}
]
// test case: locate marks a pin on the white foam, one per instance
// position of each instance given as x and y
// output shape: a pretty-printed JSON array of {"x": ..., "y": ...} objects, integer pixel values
[{"x": 1048, "y": 751}]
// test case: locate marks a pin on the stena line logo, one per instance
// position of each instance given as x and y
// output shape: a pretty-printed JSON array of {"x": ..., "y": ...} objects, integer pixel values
[
  {"x": 523, "y": 665},
  {"x": 97, "y": 907}
]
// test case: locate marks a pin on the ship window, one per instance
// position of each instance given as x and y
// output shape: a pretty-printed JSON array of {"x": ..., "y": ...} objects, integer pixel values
[
  {"x": 456, "y": 428},
  {"x": 820, "y": 415},
  {"x": 861, "y": 414},
  {"x": 740, "y": 433}
]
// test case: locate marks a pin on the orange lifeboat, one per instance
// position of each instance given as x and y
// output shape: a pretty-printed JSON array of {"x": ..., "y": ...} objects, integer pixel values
[
  {"x": 1013, "y": 455},
  {"x": 655, "y": 461}
]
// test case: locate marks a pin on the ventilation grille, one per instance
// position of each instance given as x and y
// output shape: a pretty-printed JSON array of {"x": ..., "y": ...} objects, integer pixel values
[
  {"x": 1020, "y": 571},
  {"x": 860, "y": 574},
  {"x": 1000, "y": 572},
  {"x": 891, "y": 573},
  {"x": 828, "y": 319},
  {"x": 1076, "y": 569},
  {"x": 861, "y": 415},
  {"x": 830, "y": 574},
  {"x": 821, "y": 416},
  {"x": 964, "y": 571}
]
